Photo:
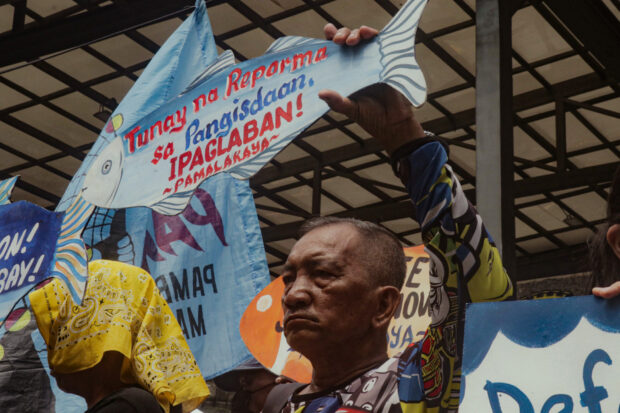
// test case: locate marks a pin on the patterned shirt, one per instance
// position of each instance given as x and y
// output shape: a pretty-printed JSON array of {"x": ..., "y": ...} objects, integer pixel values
[{"x": 465, "y": 267}]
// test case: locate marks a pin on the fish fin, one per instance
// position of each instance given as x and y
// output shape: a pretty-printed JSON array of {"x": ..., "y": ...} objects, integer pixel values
[
  {"x": 397, "y": 49},
  {"x": 250, "y": 167},
  {"x": 174, "y": 204},
  {"x": 6, "y": 187},
  {"x": 223, "y": 61},
  {"x": 237, "y": 175},
  {"x": 287, "y": 42}
]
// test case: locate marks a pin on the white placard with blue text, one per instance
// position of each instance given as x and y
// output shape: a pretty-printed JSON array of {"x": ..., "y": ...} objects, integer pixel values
[{"x": 550, "y": 356}]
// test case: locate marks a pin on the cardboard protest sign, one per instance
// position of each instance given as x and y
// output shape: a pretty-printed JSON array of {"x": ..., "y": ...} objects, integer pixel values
[
  {"x": 262, "y": 331},
  {"x": 413, "y": 314},
  {"x": 208, "y": 260},
  {"x": 262, "y": 327},
  {"x": 555, "y": 355},
  {"x": 236, "y": 117}
]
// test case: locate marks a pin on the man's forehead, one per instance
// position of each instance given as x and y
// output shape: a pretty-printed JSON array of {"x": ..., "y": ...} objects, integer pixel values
[{"x": 329, "y": 241}]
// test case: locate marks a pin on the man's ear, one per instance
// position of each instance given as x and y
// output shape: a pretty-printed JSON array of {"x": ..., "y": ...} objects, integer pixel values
[
  {"x": 388, "y": 298},
  {"x": 613, "y": 239}
]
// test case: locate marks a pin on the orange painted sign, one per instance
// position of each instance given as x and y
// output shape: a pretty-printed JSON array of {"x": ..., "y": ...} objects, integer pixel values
[{"x": 262, "y": 331}]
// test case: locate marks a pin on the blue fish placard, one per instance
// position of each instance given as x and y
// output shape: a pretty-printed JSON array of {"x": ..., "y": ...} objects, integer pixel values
[{"x": 236, "y": 117}]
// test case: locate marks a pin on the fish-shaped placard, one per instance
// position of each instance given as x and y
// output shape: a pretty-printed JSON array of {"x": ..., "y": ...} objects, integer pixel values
[{"x": 236, "y": 117}]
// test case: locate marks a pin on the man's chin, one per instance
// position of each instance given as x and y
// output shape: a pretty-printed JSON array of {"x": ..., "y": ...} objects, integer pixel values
[{"x": 302, "y": 339}]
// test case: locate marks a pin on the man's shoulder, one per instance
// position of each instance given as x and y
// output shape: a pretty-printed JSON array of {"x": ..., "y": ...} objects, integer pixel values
[
  {"x": 279, "y": 396},
  {"x": 135, "y": 398}
]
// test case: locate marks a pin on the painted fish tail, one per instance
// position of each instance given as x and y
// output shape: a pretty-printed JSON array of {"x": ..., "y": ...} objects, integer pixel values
[
  {"x": 6, "y": 187},
  {"x": 71, "y": 262},
  {"x": 173, "y": 204},
  {"x": 396, "y": 46}
]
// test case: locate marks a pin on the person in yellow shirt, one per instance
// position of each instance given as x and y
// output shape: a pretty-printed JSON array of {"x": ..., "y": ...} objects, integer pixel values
[{"x": 121, "y": 349}]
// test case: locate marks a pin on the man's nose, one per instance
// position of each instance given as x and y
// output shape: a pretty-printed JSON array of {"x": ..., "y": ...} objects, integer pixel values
[{"x": 298, "y": 294}]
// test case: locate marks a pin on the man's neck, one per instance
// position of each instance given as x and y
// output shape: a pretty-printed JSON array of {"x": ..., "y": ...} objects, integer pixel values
[
  {"x": 95, "y": 393},
  {"x": 331, "y": 369}
]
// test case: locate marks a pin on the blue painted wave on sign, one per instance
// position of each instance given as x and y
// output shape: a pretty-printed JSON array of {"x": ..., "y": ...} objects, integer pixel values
[{"x": 534, "y": 324}]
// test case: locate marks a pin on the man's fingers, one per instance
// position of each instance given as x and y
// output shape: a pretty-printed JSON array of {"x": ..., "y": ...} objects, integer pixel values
[
  {"x": 346, "y": 36},
  {"x": 367, "y": 33},
  {"x": 354, "y": 38},
  {"x": 338, "y": 103},
  {"x": 341, "y": 35},
  {"x": 607, "y": 292},
  {"x": 330, "y": 31}
]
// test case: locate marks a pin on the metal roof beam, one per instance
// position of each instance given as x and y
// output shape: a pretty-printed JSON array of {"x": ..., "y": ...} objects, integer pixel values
[
  {"x": 387, "y": 211},
  {"x": 595, "y": 27},
  {"x": 83, "y": 28},
  {"x": 462, "y": 119},
  {"x": 569, "y": 260},
  {"x": 566, "y": 180}
]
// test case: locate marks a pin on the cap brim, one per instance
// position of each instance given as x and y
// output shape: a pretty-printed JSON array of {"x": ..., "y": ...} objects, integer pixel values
[{"x": 230, "y": 381}]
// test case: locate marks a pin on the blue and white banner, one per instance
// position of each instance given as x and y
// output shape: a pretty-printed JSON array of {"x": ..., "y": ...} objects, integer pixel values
[
  {"x": 236, "y": 117},
  {"x": 28, "y": 236},
  {"x": 556, "y": 355},
  {"x": 208, "y": 261}
]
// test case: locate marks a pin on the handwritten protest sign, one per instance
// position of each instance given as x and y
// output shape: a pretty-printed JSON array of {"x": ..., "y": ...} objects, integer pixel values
[
  {"x": 35, "y": 244},
  {"x": 555, "y": 355},
  {"x": 207, "y": 272},
  {"x": 28, "y": 235},
  {"x": 235, "y": 118},
  {"x": 413, "y": 314},
  {"x": 262, "y": 328}
]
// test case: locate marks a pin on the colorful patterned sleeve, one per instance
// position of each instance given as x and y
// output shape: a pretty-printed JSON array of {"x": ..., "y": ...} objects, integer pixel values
[
  {"x": 452, "y": 230},
  {"x": 466, "y": 266}
]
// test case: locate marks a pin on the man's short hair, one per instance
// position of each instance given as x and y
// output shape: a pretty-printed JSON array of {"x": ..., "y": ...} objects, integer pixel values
[{"x": 382, "y": 252}]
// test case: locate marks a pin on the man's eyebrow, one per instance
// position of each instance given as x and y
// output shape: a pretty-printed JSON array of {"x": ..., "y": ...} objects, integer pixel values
[{"x": 326, "y": 262}]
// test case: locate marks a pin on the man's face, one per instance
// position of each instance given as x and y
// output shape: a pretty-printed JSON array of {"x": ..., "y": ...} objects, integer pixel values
[{"x": 327, "y": 298}]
